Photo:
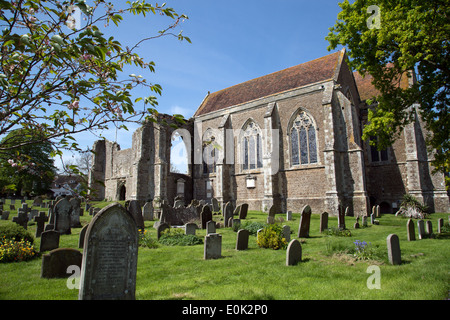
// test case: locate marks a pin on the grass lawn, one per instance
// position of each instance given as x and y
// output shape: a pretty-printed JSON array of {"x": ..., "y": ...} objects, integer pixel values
[{"x": 329, "y": 270}]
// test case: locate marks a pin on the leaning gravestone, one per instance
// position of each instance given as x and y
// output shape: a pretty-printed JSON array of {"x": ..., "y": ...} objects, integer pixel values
[
  {"x": 393, "y": 247},
  {"x": 110, "y": 255},
  {"x": 62, "y": 211},
  {"x": 410, "y": 229},
  {"x": 293, "y": 253},
  {"x": 305, "y": 221}
]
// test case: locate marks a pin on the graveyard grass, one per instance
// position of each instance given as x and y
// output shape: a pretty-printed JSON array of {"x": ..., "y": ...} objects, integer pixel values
[{"x": 328, "y": 269}]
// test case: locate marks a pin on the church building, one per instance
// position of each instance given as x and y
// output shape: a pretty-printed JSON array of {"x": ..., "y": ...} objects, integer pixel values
[{"x": 287, "y": 139}]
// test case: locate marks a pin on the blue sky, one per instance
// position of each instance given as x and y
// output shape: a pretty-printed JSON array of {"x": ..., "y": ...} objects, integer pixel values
[{"x": 232, "y": 42}]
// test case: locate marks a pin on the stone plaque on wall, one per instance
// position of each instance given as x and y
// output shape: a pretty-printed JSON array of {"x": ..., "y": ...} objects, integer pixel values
[{"x": 110, "y": 256}]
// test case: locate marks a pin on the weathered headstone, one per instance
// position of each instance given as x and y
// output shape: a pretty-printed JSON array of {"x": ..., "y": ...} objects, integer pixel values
[
  {"x": 237, "y": 211},
  {"x": 213, "y": 246},
  {"x": 364, "y": 221},
  {"x": 205, "y": 215},
  {"x": 40, "y": 220},
  {"x": 411, "y": 233},
  {"x": 161, "y": 227},
  {"x": 62, "y": 211},
  {"x": 147, "y": 211},
  {"x": 242, "y": 239},
  {"x": 244, "y": 210},
  {"x": 393, "y": 247},
  {"x": 228, "y": 213},
  {"x": 235, "y": 223},
  {"x": 372, "y": 218},
  {"x": 56, "y": 262},
  {"x": 421, "y": 229},
  {"x": 271, "y": 216},
  {"x": 289, "y": 216},
  {"x": 429, "y": 227},
  {"x": 440, "y": 225},
  {"x": 305, "y": 220},
  {"x": 341, "y": 218},
  {"x": 49, "y": 240},
  {"x": 189, "y": 228},
  {"x": 110, "y": 256},
  {"x": 215, "y": 205},
  {"x": 178, "y": 204},
  {"x": 286, "y": 232},
  {"x": 82, "y": 236},
  {"x": 75, "y": 213},
  {"x": 356, "y": 225},
  {"x": 210, "y": 227},
  {"x": 293, "y": 253},
  {"x": 136, "y": 212},
  {"x": 377, "y": 211},
  {"x": 323, "y": 221}
]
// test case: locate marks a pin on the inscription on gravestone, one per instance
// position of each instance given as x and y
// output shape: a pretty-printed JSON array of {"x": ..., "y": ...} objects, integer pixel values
[{"x": 110, "y": 256}]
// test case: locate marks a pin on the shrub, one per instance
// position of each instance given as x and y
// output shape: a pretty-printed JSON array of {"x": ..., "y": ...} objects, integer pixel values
[
  {"x": 338, "y": 232},
  {"x": 412, "y": 208},
  {"x": 176, "y": 237},
  {"x": 11, "y": 250},
  {"x": 13, "y": 231},
  {"x": 271, "y": 237},
  {"x": 253, "y": 226},
  {"x": 146, "y": 241}
]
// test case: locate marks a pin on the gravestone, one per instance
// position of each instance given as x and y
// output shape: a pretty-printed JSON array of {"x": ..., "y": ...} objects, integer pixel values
[
  {"x": 237, "y": 211},
  {"x": 393, "y": 246},
  {"x": 411, "y": 233},
  {"x": 56, "y": 262},
  {"x": 161, "y": 227},
  {"x": 440, "y": 225},
  {"x": 228, "y": 213},
  {"x": 62, "y": 212},
  {"x": 40, "y": 220},
  {"x": 286, "y": 232},
  {"x": 33, "y": 213},
  {"x": 271, "y": 216},
  {"x": 205, "y": 215},
  {"x": 210, "y": 227},
  {"x": 421, "y": 229},
  {"x": 49, "y": 240},
  {"x": 364, "y": 221},
  {"x": 136, "y": 212},
  {"x": 289, "y": 216},
  {"x": 429, "y": 226},
  {"x": 189, "y": 228},
  {"x": 235, "y": 223},
  {"x": 147, "y": 211},
  {"x": 293, "y": 253},
  {"x": 305, "y": 221},
  {"x": 178, "y": 204},
  {"x": 356, "y": 225},
  {"x": 75, "y": 213},
  {"x": 377, "y": 211},
  {"x": 244, "y": 210},
  {"x": 21, "y": 219},
  {"x": 372, "y": 218},
  {"x": 323, "y": 221},
  {"x": 82, "y": 236},
  {"x": 110, "y": 255},
  {"x": 242, "y": 239},
  {"x": 215, "y": 205},
  {"x": 213, "y": 246}
]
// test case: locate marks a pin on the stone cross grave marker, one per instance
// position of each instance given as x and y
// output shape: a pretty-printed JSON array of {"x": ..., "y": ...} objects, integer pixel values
[
  {"x": 21, "y": 219},
  {"x": 110, "y": 255},
  {"x": 62, "y": 211},
  {"x": 305, "y": 220},
  {"x": 242, "y": 239},
  {"x": 293, "y": 253},
  {"x": 213, "y": 246},
  {"x": 40, "y": 220},
  {"x": 393, "y": 246},
  {"x": 411, "y": 232}
]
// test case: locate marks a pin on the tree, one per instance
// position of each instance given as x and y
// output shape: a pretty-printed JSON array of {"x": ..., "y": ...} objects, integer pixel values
[
  {"x": 59, "y": 78},
  {"x": 28, "y": 168},
  {"x": 389, "y": 40}
]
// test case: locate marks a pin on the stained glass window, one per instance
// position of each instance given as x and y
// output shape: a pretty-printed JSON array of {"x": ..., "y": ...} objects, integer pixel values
[
  {"x": 252, "y": 147},
  {"x": 303, "y": 140}
]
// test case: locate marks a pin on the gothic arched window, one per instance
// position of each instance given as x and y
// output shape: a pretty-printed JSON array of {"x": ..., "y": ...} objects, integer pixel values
[
  {"x": 303, "y": 140},
  {"x": 251, "y": 144}
]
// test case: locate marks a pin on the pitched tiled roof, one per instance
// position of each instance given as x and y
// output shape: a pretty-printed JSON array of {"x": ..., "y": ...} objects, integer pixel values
[{"x": 294, "y": 77}]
